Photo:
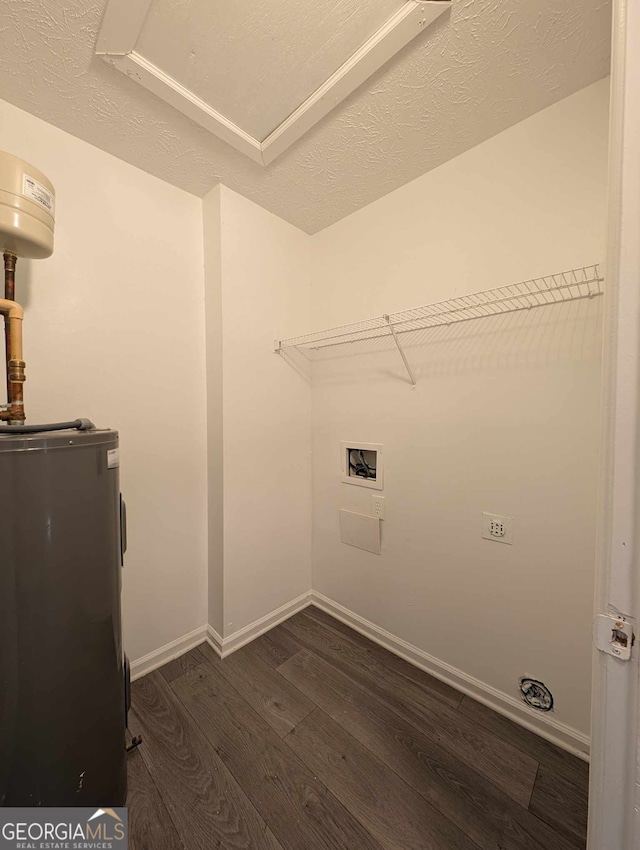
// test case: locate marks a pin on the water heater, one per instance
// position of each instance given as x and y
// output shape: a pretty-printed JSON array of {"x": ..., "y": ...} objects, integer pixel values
[
  {"x": 62, "y": 712},
  {"x": 63, "y": 677}
]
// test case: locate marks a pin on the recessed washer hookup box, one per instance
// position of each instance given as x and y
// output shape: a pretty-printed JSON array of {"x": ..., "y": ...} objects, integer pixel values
[{"x": 362, "y": 464}]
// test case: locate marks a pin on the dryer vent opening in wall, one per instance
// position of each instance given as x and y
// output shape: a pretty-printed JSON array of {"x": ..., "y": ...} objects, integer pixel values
[
  {"x": 536, "y": 694},
  {"x": 362, "y": 464}
]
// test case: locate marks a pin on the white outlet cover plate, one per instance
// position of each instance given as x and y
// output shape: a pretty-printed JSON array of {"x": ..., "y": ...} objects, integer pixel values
[
  {"x": 505, "y": 521},
  {"x": 377, "y": 505}
]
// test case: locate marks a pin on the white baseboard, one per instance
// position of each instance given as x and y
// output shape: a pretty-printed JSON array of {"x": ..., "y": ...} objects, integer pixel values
[
  {"x": 214, "y": 640},
  {"x": 553, "y": 730},
  {"x": 225, "y": 646},
  {"x": 548, "y": 727},
  {"x": 142, "y": 666}
]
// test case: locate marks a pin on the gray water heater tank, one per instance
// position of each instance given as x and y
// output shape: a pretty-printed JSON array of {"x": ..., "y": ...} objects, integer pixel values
[{"x": 62, "y": 696}]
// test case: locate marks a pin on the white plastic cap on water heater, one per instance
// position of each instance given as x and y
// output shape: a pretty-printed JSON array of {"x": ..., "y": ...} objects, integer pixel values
[{"x": 27, "y": 209}]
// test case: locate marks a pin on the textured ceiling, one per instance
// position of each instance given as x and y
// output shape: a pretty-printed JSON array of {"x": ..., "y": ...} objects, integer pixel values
[
  {"x": 253, "y": 74},
  {"x": 488, "y": 65}
]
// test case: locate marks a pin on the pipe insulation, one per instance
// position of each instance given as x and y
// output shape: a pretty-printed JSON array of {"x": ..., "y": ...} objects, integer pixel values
[
  {"x": 10, "y": 294},
  {"x": 15, "y": 364},
  {"x": 15, "y": 314}
]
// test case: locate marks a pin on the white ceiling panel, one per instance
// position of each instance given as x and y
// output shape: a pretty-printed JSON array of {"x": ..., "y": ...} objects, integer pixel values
[{"x": 256, "y": 62}]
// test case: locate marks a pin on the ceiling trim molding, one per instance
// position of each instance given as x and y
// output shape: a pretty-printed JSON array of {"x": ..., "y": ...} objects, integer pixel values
[
  {"x": 123, "y": 22},
  {"x": 154, "y": 79}
]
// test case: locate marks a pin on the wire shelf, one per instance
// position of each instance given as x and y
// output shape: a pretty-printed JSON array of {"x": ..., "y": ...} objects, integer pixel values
[{"x": 572, "y": 285}]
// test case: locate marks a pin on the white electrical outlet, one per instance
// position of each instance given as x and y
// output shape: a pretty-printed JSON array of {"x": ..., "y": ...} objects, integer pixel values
[
  {"x": 498, "y": 528},
  {"x": 377, "y": 506}
]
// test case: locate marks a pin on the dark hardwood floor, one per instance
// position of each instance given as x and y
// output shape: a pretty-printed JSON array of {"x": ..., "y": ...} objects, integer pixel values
[{"x": 314, "y": 738}]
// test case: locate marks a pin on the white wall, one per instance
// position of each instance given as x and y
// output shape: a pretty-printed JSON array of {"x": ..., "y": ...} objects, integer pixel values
[
  {"x": 505, "y": 417},
  {"x": 103, "y": 339},
  {"x": 266, "y": 406}
]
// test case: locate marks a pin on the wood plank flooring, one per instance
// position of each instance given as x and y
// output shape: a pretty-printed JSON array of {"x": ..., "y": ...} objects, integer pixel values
[{"x": 314, "y": 738}]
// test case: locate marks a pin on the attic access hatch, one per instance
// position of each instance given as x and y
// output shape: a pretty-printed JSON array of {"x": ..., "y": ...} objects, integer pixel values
[{"x": 258, "y": 75}]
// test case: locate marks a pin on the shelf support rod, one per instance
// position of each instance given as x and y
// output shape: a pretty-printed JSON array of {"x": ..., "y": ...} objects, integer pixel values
[{"x": 402, "y": 354}]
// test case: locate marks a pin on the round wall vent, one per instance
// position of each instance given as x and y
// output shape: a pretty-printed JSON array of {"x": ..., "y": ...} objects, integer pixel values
[{"x": 536, "y": 694}]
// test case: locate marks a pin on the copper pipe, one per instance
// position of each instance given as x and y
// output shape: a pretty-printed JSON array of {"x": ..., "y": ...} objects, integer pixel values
[
  {"x": 16, "y": 411},
  {"x": 10, "y": 261},
  {"x": 9, "y": 294}
]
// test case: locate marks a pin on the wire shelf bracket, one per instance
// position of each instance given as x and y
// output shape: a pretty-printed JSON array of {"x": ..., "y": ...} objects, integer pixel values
[
  {"x": 573, "y": 285},
  {"x": 394, "y": 334}
]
